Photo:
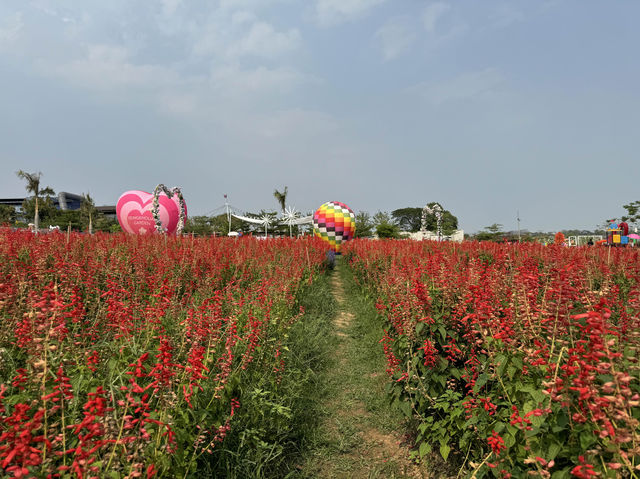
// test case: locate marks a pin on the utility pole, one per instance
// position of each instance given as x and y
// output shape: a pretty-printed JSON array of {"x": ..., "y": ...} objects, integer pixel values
[
  {"x": 518, "y": 218},
  {"x": 226, "y": 204}
]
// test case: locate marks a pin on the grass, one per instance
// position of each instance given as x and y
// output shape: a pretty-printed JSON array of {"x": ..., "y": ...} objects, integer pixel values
[
  {"x": 359, "y": 431},
  {"x": 329, "y": 417}
]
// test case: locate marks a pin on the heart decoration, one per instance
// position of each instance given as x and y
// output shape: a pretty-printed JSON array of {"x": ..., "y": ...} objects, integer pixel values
[{"x": 135, "y": 211}]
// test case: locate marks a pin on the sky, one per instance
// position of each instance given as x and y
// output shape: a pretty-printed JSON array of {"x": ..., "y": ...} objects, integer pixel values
[{"x": 489, "y": 107}]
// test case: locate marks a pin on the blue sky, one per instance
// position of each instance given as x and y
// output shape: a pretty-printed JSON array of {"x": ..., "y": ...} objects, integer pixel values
[{"x": 488, "y": 107}]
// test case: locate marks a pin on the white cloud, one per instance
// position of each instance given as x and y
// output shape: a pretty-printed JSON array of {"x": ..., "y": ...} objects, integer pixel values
[
  {"x": 247, "y": 4},
  {"x": 506, "y": 15},
  {"x": 243, "y": 34},
  {"x": 466, "y": 86},
  {"x": 395, "y": 38},
  {"x": 213, "y": 63},
  {"x": 305, "y": 123},
  {"x": 106, "y": 67},
  {"x": 432, "y": 14},
  {"x": 333, "y": 12},
  {"x": 10, "y": 28},
  {"x": 242, "y": 17},
  {"x": 264, "y": 41},
  {"x": 169, "y": 7},
  {"x": 232, "y": 79},
  {"x": 178, "y": 103}
]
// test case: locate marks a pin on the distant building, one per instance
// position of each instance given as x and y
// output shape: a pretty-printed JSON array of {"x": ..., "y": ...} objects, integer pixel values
[
  {"x": 64, "y": 201},
  {"x": 457, "y": 236}
]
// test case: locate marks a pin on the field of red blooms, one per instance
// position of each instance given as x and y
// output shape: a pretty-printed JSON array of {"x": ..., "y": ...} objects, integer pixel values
[
  {"x": 512, "y": 360},
  {"x": 128, "y": 356}
]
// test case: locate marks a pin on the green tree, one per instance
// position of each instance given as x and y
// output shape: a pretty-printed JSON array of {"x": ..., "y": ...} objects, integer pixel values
[
  {"x": 87, "y": 212},
  {"x": 33, "y": 186},
  {"x": 7, "y": 214},
  {"x": 382, "y": 217},
  {"x": 633, "y": 212},
  {"x": 46, "y": 209},
  {"x": 199, "y": 225},
  {"x": 408, "y": 219},
  {"x": 490, "y": 233},
  {"x": 66, "y": 218},
  {"x": 220, "y": 224},
  {"x": 449, "y": 222},
  {"x": 281, "y": 196},
  {"x": 102, "y": 222},
  {"x": 364, "y": 225},
  {"x": 385, "y": 227},
  {"x": 388, "y": 230}
]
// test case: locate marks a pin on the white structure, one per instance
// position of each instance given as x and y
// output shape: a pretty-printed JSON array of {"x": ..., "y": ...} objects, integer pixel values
[
  {"x": 457, "y": 236},
  {"x": 582, "y": 240},
  {"x": 437, "y": 211}
]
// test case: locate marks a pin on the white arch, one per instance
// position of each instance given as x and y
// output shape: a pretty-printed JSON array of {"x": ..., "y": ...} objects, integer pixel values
[
  {"x": 155, "y": 210},
  {"x": 436, "y": 210}
]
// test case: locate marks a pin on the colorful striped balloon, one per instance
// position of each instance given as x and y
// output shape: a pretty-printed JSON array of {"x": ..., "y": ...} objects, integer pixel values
[{"x": 335, "y": 223}]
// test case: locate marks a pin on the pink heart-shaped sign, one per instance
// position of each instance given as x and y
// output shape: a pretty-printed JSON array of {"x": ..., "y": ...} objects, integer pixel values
[{"x": 134, "y": 212}]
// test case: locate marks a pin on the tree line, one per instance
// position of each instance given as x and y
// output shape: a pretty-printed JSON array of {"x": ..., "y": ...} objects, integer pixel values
[
  {"x": 39, "y": 209},
  {"x": 409, "y": 219}
]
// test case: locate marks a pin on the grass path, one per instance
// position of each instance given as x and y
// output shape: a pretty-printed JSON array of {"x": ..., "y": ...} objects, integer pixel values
[{"x": 360, "y": 436}]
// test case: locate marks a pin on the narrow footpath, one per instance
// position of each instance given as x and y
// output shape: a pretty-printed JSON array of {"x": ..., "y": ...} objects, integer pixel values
[{"x": 361, "y": 437}]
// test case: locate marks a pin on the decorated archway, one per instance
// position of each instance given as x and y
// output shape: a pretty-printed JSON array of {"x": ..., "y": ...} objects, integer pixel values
[
  {"x": 437, "y": 211},
  {"x": 155, "y": 210}
]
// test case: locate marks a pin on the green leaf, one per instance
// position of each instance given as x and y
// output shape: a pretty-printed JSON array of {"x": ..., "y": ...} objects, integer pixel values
[
  {"x": 405, "y": 407},
  {"x": 499, "y": 427},
  {"x": 425, "y": 448},
  {"x": 538, "y": 396},
  {"x": 586, "y": 440},
  {"x": 482, "y": 380},
  {"x": 509, "y": 440},
  {"x": 443, "y": 333},
  {"x": 563, "y": 474},
  {"x": 444, "y": 451},
  {"x": 501, "y": 361},
  {"x": 537, "y": 421},
  {"x": 554, "y": 449}
]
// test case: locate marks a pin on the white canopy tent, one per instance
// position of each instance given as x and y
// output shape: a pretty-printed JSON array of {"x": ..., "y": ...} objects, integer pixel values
[{"x": 290, "y": 219}]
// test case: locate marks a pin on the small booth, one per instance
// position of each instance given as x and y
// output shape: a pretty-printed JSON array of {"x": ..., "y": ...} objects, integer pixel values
[{"x": 617, "y": 234}]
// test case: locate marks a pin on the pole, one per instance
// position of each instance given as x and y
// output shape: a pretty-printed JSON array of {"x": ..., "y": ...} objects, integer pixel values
[
  {"x": 518, "y": 217},
  {"x": 226, "y": 204}
]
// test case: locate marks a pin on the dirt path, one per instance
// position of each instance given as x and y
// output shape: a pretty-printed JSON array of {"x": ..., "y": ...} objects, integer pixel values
[{"x": 362, "y": 440}]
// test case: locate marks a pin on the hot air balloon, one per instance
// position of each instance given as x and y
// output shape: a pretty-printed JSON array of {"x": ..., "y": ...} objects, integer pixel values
[{"x": 335, "y": 223}]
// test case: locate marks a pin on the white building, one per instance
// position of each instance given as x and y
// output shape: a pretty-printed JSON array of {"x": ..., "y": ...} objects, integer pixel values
[{"x": 457, "y": 236}]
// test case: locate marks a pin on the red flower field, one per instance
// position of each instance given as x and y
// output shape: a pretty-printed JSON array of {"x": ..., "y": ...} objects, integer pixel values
[
  {"x": 512, "y": 359},
  {"x": 128, "y": 354}
]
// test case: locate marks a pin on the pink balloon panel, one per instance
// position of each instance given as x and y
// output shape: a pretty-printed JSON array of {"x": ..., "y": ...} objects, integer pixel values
[{"x": 134, "y": 212}]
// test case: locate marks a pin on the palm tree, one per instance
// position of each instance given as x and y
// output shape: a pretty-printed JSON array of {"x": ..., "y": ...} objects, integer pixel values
[
  {"x": 33, "y": 186},
  {"x": 87, "y": 209},
  {"x": 281, "y": 197}
]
